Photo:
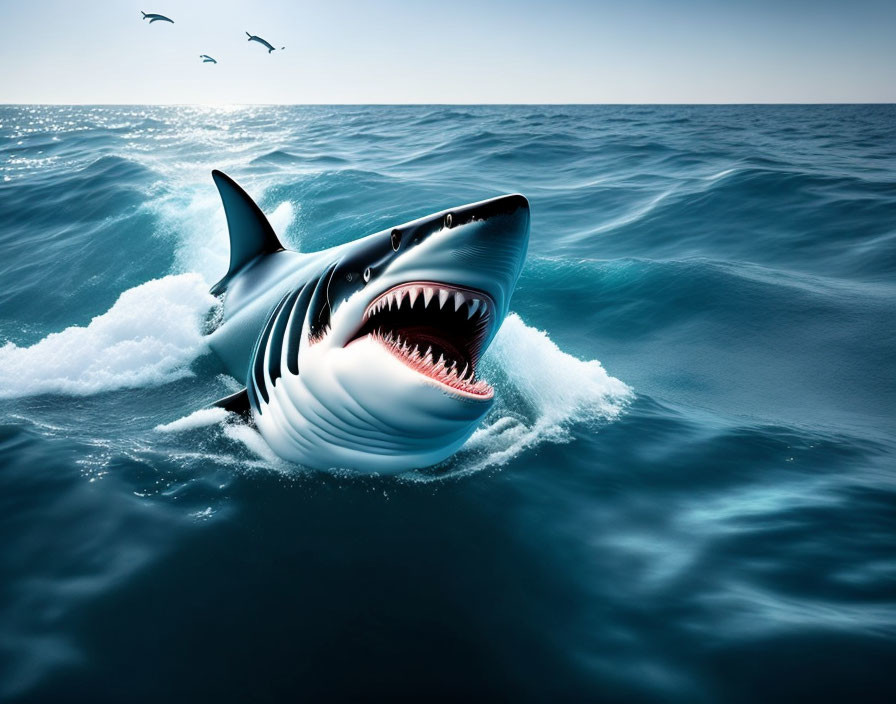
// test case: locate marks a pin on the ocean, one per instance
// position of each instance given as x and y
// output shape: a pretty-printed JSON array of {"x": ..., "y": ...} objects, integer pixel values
[{"x": 686, "y": 491}]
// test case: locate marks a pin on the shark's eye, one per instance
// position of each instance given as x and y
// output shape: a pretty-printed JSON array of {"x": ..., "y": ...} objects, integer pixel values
[
  {"x": 349, "y": 276},
  {"x": 367, "y": 275},
  {"x": 396, "y": 240},
  {"x": 449, "y": 220}
]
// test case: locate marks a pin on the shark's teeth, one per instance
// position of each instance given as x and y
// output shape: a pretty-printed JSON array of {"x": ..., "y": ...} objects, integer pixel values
[
  {"x": 400, "y": 312},
  {"x": 403, "y": 297},
  {"x": 442, "y": 371},
  {"x": 474, "y": 306}
]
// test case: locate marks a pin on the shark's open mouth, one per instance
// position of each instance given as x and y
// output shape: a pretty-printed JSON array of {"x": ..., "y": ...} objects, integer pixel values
[{"x": 436, "y": 329}]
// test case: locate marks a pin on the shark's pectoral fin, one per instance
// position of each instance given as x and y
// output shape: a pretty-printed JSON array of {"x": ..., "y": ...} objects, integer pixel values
[
  {"x": 235, "y": 403},
  {"x": 251, "y": 235}
]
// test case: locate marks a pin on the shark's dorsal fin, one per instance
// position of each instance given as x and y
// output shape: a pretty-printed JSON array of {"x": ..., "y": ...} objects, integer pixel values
[{"x": 251, "y": 235}]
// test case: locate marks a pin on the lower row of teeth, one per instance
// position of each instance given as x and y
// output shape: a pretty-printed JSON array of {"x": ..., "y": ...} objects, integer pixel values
[{"x": 438, "y": 369}]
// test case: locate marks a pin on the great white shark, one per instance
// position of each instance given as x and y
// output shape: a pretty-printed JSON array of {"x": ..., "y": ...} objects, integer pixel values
[{"x": 365, "y": 356}]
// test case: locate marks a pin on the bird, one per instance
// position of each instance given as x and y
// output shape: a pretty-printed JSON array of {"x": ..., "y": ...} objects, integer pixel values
[
  {"x": 256, "y": 38},
  {"x": 206, "y": 59},
  {"x": 153, "y": 17}
]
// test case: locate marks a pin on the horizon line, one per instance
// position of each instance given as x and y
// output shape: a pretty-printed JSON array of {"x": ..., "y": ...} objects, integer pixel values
[{"x": 424, "y": 104}]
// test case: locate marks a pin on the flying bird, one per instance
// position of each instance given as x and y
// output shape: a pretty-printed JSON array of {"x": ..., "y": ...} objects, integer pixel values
[
  {"x": 206, "y": 59},
  {"x": 255, "y": 38},
  {"x": 153, "y": 17}
]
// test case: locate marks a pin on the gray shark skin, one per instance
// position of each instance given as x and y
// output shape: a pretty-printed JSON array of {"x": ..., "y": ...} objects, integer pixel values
[
  {"x": 264, "y": 43},
  {"x": 153, "y": 17},
  {"x": 364, "y": 356},
  {"x": 206, "y": 59}
]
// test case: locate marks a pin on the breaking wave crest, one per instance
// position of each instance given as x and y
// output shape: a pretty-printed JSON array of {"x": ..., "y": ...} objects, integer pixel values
[
  {"x": 541, "y": 389},
  {"x": 148, "y": 337}
]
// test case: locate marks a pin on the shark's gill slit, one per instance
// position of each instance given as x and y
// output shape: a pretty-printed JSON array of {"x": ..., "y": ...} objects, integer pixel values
[
  {"x": 319, "y": 308},
  {"x": 294, "y": 336},
  {"x": 278, "y": 335},
  {"x": 258, "y": 367}
]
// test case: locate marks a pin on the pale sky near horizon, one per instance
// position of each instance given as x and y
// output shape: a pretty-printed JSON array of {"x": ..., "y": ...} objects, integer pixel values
[{"x": 385, "y": 51}]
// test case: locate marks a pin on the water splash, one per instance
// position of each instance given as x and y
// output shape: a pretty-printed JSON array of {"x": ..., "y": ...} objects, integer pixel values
[
  {"x": 541, "y": 390},
  {"x": 148, "y": 337},
  {"x": 198, "y": 419}
]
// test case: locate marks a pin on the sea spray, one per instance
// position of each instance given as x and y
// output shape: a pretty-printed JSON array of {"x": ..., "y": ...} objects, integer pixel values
[
  {"x": 197, "y": 419},
  {"x": 541, "y": 389},
  {"x": 148, "y": 337}
]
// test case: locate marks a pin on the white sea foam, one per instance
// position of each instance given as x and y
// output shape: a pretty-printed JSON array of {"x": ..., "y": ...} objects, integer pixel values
[
  {"x": 192, "y": 218},
  {"x": 234, "y": 429},
  {"x": 149, "y": 336},
  {"x": 198, "y": 419},
  {"x": 554, "y": 389},
  {"x": 252, "y": 441},
  {"x": 153, "y": 331},
  {"x": 282, "y": 218}
]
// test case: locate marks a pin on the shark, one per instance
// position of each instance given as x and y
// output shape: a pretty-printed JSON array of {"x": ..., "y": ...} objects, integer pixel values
[
  {"x": 365, "y": 356},
  {"x": 255, "y": 38},
  {"x": 153, "y": 17}
]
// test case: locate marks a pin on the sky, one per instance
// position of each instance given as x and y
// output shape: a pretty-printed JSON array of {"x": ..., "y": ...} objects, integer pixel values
[{"x": 449, "y": 51}]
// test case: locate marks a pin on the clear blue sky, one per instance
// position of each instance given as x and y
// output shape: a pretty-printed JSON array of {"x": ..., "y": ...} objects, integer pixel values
[{"x": 492, "y": 51}]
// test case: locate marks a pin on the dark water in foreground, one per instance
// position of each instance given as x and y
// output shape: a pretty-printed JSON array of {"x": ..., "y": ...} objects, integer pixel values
[{"x": 712, "y": 518}]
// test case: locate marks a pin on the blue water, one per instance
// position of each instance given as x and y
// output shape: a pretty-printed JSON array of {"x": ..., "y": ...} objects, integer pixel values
[{"x": 686, "y": 492}]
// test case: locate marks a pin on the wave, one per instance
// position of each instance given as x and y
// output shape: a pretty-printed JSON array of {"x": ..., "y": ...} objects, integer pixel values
[
  {"x": 150, "y": 336},
  {"x": 197, "y": 419},
  {"x": 541, "y": 390},
  {"x": 190, "y": 216},
  {"x": 280, "y": 158}
]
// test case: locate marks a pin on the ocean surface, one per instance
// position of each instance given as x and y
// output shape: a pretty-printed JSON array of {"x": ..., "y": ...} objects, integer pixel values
[{"x": 685, "y": 493}]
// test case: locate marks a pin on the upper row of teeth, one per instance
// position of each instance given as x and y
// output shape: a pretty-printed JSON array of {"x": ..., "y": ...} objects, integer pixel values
[{"x": 396, "y": 297}]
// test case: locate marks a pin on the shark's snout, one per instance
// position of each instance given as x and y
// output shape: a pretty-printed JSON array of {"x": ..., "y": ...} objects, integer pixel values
[
  {"x": 493, "y": 233},
  {"x": 481, "y": 246},
  {"x": 514, "y": 205}
]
